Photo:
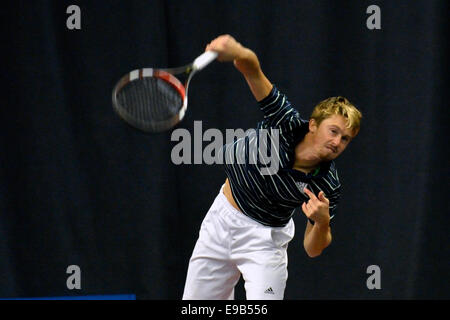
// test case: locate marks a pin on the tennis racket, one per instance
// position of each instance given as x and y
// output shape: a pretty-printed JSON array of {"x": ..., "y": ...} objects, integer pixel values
[{"x": 155, "y": 100}]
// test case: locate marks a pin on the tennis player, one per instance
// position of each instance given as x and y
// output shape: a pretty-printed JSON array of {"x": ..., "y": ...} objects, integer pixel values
[{"x": 248, "y": 227}]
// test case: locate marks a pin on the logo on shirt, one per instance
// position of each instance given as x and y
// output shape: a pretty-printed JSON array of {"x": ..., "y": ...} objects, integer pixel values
[{"x": 301, "y": 185}]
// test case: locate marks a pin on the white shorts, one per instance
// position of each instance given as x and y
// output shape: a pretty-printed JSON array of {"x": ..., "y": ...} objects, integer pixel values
[{"x": 231, "y": 244}]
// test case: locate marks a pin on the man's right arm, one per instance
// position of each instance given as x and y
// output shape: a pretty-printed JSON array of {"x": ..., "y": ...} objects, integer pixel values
[{"x": 246, "y": 61}]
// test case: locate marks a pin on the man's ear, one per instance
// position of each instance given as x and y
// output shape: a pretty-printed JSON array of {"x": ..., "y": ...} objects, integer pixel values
[{"x": 312, "y": 125}]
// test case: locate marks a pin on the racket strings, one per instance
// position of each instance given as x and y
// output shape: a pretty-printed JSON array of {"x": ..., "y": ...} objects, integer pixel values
[{"x": 150, "y": 100}]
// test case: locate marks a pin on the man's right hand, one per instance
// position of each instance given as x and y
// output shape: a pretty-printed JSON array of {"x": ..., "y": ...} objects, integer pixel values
[
  {"x": 227, "y": 48},
  {"x": 245, "y": 60}
]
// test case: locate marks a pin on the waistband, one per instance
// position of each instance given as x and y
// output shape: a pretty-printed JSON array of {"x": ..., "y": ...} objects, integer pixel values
[
  {"x": 232, "y": 210},
  {"x": 221, "y": 196},
  {"x": 240, "y": 215}
]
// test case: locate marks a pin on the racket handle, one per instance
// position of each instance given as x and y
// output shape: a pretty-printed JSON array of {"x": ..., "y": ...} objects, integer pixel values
[{"x": 204, "y": 59}]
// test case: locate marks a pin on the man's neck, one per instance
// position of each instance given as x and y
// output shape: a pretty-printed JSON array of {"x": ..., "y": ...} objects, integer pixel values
[{"x": 306, "y": 158}]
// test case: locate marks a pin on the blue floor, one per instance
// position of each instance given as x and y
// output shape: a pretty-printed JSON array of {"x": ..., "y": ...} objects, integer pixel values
[{"x": 89, "y": 297}]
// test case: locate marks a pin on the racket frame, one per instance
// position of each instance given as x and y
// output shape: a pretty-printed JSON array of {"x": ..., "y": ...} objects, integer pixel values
[{"x": 169, "y": 76}]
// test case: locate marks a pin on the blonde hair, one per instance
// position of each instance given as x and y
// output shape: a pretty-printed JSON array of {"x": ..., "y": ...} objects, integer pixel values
[{"x": 340, "y": 106}]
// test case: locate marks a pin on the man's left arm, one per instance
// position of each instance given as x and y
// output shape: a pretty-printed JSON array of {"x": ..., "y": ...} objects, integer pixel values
[{"x": 318, "y": 235}]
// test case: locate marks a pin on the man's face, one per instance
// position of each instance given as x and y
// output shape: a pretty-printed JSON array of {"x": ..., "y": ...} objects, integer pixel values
[{"x": 331, "y": 137}]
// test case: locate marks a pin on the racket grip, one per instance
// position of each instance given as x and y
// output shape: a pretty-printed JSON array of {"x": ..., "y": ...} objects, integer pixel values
[{"x": 204, "y": 59}]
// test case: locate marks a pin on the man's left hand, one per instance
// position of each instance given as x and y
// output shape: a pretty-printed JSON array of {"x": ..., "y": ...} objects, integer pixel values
[{"x": 317, "y": 208}]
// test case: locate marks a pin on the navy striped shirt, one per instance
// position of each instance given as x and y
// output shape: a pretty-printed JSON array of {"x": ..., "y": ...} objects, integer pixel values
[{"x": 271, "y": 199}]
